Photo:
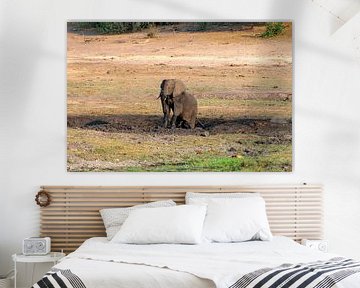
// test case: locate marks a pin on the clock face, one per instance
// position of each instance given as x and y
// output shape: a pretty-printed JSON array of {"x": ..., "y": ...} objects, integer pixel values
[
  {"x": 322, "y": 247},
  {"x": 29, "y": 245},
  {"x": 40, "y": 245}
]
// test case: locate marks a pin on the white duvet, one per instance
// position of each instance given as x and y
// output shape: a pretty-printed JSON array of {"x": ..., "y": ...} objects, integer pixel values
[{"x": 100, "y": 263}]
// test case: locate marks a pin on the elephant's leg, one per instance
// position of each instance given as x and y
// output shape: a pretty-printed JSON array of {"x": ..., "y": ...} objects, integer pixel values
[
  {"x": 192, "y": 123},
  {"x": 166, "y": 117},
  {"x": 176, "y": 118},
  {"x": 178, "y": 108},
  {"x": 168, "y": 109},
  {"x": 165, "y": 121},
  {"x": 173, "y": 121}
]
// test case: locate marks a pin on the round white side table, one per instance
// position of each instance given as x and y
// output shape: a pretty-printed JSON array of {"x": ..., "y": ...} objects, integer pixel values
[{"x": 53, "y": 257}]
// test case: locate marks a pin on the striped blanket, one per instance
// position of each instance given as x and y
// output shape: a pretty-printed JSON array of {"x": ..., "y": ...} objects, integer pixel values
[
  {"x": 320, "y": 274},
  {"x": 59, "y": 278}
]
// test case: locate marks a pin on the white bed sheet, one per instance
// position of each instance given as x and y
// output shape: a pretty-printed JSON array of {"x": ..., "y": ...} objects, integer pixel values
[
  {"x": 100, "y": 263},
  {"x": 101, "y": 274}
]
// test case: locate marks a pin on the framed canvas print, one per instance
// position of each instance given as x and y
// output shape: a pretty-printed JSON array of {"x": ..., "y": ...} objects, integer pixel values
[{"x": 179, "y": 96}]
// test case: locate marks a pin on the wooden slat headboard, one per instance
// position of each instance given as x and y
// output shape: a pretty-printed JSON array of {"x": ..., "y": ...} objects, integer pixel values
[{"x": 73, "y": 215}]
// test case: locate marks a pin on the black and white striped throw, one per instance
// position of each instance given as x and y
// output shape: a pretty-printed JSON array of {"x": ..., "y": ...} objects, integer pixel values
[
  {"x": 59, "y": 278},
  {"x": 320, "y": 274}
]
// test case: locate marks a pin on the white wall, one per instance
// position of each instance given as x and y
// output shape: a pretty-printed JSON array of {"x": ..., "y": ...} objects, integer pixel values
[{"x": 33, "y": 106}]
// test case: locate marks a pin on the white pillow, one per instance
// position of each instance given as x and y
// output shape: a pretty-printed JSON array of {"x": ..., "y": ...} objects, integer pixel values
[
  {"x": 204, "y": 198},
  {"x": 236, "y": 220},
  {"x": 113, "y": 218},
  {"x": 180, "y": 224}
]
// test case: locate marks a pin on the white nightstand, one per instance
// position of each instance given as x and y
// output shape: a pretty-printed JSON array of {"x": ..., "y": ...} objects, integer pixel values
[
  {"x": 53, "y": 257},
  {"x": 320, "y": 245}
]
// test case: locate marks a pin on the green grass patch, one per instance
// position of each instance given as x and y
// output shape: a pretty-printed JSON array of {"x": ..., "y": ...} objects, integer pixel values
[
  {"x": 273, "y": 29},
  {"x": 270, "y": 163}
]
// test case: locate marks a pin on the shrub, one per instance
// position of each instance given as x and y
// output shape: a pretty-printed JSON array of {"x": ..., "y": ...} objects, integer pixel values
[
  {"x": 202, "y": 26},
  {"x": 152, "y": 31},
  {"x": 273, "y": 29},
  {"x": 121, "y": 27}
]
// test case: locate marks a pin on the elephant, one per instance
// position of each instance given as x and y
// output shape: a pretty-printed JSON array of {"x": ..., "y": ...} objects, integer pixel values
[
  {"x": 170, "y": 88},
  {"x": 183, "y": 105}
]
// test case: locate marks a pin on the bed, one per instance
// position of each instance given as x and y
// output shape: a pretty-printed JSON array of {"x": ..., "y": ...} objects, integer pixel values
[
  {"x": 295, "y": 211},
  {"x": 99, "y": 263}
]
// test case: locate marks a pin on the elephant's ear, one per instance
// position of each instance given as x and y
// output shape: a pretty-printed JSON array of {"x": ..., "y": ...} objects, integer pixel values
[
  {"x": 162, "y": 84},
  {"x": 179, "y": 88}
]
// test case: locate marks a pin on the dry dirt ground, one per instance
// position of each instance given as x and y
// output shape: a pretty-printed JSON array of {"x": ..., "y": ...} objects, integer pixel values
[{"x": 243, "y": 84}]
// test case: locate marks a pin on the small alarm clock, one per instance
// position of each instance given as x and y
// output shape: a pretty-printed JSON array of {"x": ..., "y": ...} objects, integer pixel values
[
  {"x": 36, "y": 246},
  {"x": 320, "y": 245}
]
